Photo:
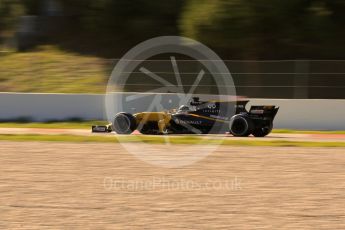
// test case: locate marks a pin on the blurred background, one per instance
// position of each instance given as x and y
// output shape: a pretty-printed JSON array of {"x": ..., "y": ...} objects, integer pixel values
[{"x": 274, "y": 49}]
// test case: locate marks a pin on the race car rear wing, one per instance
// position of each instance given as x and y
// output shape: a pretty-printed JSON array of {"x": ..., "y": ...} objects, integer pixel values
[{"x": 263, "y": 111}]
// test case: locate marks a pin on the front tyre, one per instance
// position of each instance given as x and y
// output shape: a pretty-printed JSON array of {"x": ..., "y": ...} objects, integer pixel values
[
  {"x": 124, "y": 123},
  {"x": 241, "y": 125}
]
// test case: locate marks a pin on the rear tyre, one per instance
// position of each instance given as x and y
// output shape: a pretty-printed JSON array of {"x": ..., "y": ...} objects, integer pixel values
[
  {"x": 241, "y": 126},
  {"x": 263, "y": 131},
  {"x": 124, "y": 123}
]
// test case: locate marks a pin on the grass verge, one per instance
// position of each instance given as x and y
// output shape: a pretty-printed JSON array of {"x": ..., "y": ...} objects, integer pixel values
[
  {"x": 172, "y": 140},
  {"x": 308, "y": 131},
  {"x": 51, "y": 70}
]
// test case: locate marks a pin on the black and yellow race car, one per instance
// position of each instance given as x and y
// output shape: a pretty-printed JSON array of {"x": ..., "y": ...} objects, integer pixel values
[{"x": 199, "y": 117}]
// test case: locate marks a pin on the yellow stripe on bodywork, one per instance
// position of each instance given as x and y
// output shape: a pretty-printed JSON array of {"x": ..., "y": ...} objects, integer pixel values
[{"x": 208, "y": 118}]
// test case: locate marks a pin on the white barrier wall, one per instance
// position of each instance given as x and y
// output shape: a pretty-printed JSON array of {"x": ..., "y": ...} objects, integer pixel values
[
  {"x": 293, "y": 114},
  {"x": 310, "y": 114},
  {"x": 41, "y": 107}
]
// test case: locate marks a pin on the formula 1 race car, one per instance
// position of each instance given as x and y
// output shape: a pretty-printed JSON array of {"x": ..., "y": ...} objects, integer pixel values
[{"x": 200, "y": 117}]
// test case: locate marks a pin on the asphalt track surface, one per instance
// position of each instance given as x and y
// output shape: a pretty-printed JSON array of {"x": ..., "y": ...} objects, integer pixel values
[
  {"x": 49, "y": 185},
  {"x": 270, "y": 137}
]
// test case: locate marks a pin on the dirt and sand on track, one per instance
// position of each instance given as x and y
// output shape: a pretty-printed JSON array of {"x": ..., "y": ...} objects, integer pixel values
[{"x": 101, "y": 186}]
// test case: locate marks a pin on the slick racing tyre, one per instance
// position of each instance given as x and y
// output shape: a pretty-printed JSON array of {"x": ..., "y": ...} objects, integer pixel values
[
  {"x": 124, "y": 123},
  {"x": 263, "y": 131},
  {"x": 241, "y": 125}
]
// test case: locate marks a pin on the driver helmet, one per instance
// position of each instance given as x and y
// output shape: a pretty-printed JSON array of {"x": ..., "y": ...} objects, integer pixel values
[{"x": 183, "y": 108}]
